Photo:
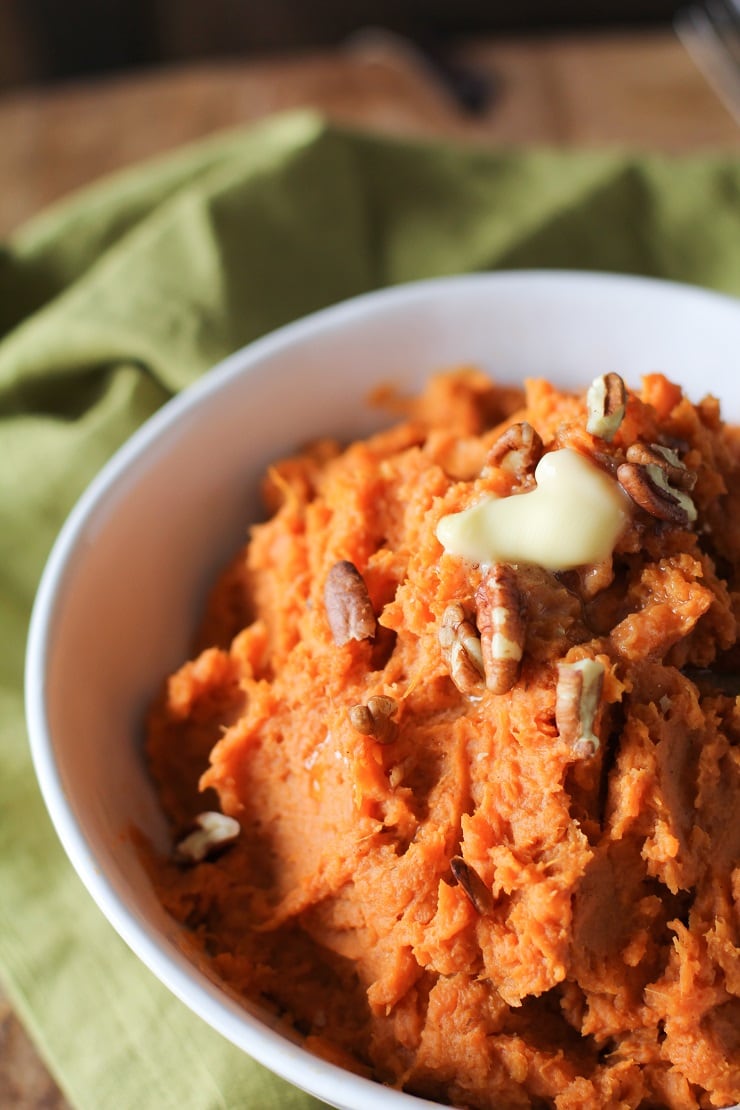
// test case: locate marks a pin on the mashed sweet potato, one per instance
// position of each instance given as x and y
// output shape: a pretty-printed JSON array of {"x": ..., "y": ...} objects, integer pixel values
[{"x": 466, "y": 864}]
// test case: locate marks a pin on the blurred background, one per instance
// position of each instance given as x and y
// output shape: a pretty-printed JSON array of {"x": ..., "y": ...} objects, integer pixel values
[{"x": 46, "y": 41}]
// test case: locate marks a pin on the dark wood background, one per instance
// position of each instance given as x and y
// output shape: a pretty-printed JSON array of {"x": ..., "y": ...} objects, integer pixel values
[{"x": 50, "y": 40}]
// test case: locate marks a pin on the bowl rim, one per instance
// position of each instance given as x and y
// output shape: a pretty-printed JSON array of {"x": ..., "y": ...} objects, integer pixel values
[{"x": 200, "y": 995}]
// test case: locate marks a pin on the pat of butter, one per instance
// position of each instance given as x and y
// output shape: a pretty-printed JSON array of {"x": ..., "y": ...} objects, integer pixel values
[{"x": 574, "y": 517}]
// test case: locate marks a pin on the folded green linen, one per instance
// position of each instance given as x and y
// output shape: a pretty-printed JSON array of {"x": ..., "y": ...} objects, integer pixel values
[{"x": 116, "y": 299}]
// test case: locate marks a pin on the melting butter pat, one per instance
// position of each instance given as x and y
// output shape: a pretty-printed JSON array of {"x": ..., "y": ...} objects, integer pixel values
[{"x": 574, "y": 517}]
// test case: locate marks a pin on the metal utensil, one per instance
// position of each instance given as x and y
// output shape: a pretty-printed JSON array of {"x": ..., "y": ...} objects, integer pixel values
[{"x": 710, "y": 31}]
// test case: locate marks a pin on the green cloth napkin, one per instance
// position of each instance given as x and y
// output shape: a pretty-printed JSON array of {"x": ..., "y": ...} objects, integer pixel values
[{"x": 116, "y": 299}]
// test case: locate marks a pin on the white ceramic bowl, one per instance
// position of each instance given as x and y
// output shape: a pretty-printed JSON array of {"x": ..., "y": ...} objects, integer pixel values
[{"x": 125, "y": 581}]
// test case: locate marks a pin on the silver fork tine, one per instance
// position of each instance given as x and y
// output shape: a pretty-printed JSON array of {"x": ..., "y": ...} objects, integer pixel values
[{"x": 710, "y": 32}]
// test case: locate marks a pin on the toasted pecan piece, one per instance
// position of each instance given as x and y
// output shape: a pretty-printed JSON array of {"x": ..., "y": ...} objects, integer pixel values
[
  {"x": 470, "y": 882},
  {"x": 606, "y": 402},
  {"x": 518, "y": 450},
  {"x": 577, "y": 699},
  {"x": 461, "y": 649},
  {"x": 501, "y": 624},
  {"x": 649, "y": 485},
  {"x": 376, "y": 718},
  {"x": 348, "y": 607},
  {"x": 656, "y": 454},
  {"x": 211, "y": 833}
]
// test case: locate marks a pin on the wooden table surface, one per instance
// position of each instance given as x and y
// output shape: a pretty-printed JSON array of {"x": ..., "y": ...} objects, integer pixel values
[{"x": 637, "y": 90}]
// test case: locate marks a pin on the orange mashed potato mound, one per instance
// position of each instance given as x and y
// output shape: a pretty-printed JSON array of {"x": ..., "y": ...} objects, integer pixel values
[{"x": 463, "y": 904}]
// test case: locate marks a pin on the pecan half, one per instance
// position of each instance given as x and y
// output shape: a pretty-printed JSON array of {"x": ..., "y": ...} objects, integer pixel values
[
  {"x": 606, "y": 402},
  {"x": 376, "y": 718},
  {"x": 652, "y": 485},
  {"x": 576, "y": 703},
  {"x": 655, "y": 454},
  {"x": 461, "y": 649},
  {"x": 517, "y": 450},
  {"x": 348, "y": 606},
  {"x": 501, "y": 625},
  {"x": 469, "y": 880},
  {"x": 212, "y": 833}
]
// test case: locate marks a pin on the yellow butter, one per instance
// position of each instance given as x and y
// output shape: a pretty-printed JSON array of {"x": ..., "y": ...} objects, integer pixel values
[{"x": 574, "y": 517}]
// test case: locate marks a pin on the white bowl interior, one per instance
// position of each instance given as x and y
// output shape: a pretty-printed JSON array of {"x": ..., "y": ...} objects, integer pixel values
[{"x": 123, "y": 587}]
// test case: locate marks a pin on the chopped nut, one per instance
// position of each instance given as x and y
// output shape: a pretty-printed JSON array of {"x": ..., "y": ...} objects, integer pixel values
[
  {"x": 576, "y": 704},
  {"x": 469, "y": 880},
  {"x": 213, "y": 832},
  {"x": 461, "y": 649},
  {"x": 517, "y": 450},
  {"x": 606, "y": 401},
  {"x": 375, "y": 718},
  {"x": 676, "y": 472},
  {"x": 396, "y": 776},
  {"x": 382, "y": 705},
  {"x": 649, "y": 485},
  {"x": 361, "y": 719},
  {"x": 348, "y": 606},
  {"x": 659, "y": 482},
  {"x": 501, "y": 626}
]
